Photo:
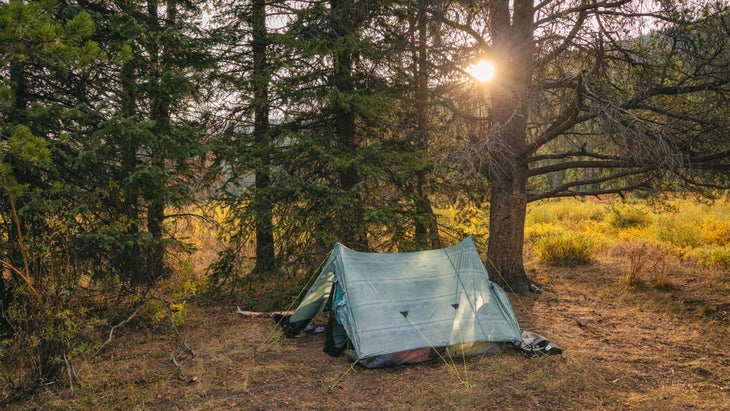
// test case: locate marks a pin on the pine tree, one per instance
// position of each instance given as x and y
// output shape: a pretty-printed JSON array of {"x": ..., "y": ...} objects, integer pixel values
[
  {"x": 46, "y": 51},
  {"x": 598, "y": 108},
  {"x": 139, "y": 152}
]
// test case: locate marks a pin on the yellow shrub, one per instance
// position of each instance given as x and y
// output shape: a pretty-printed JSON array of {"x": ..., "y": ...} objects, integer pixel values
[
  {"x": 154, "y": 313},
  {"x": 567, "y": 211},
  {"x": 566, "y": 250},
  {"x": 679, "y": 230},
  {"x": 535, "y": 232},
  {"x": 715, "y": 232},
  {"x": 695, "y": 224},
  {"x": 466, "y": 219},
  {"x": 540, "y": 215},
  {"x": 716, "y": 256},
  {"x": 624, "y": 216},
  {"x": 577, "y": 211},
  {"x": 595, "y": 233}
]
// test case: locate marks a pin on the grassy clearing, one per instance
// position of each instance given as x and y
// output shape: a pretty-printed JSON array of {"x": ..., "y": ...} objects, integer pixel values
[
  {"x": 643, "y": 324},
  {"x": 648, "y": 238},
  {"x": 637, "y": 348}
]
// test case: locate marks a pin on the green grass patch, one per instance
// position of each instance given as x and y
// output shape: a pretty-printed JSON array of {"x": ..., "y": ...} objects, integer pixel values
[
  {"x": 684, "y": 228},
  {"x": 535, "y": 232},
  {"x": 678, "y": 230}
]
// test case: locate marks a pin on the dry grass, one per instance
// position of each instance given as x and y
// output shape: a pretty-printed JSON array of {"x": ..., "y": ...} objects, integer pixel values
[
  {"x": 625, "y": 348},
  {"x": 647, "y": 264}
]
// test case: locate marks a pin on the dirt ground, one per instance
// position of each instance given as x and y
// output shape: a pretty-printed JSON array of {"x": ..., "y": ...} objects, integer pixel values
[{"x": 624, "y": 348}]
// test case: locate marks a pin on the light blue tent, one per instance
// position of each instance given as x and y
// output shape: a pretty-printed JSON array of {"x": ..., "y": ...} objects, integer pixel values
[{"x": 395, "y": 302}]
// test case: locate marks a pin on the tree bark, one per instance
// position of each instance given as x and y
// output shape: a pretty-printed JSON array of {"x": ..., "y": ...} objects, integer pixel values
[
  {"x": 508, "y": 207},
  {"x": 265, "y": 255},
  {"x": 425, "y": 227},
  {"x": 160, "y": 114},
  {"x": 507, "y": 170},
  {"x": 352, "y": 228}
]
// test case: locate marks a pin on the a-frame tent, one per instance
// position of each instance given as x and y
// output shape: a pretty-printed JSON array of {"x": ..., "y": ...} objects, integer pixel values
[{"x": 390, "y": 303}]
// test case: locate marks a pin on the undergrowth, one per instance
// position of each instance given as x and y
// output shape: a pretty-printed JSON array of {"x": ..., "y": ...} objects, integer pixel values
[
  {"x": 650, "y": 243},
  {"x": 646, "y": 236},
  {"x": 566, "y": 250}
]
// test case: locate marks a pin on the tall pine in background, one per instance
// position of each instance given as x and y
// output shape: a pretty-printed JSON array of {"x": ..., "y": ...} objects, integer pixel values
[{"x": 141, "y": 152}]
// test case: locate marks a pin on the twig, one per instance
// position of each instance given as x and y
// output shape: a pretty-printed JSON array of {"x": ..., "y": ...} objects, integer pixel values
[
  {"x": 179, "y": 370},
  {"x": 27, "y": 278},
  {"x": 70, "y": 371},
  {"x": 111, "y": 332},
  {"x": 174, "y": 327},
  {"x": 182, "y": 341}
]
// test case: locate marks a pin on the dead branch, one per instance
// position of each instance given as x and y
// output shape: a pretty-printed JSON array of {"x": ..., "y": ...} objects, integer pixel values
[
  {"x": 179, "y": 371},
  {"x": 259, "y": 314},
  {"x": 174, "y": 327},
  {"x": 111, "y": 332},
  {"x": 71, "y": 372}
]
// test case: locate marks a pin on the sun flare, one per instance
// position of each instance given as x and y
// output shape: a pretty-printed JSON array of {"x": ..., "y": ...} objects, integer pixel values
[{"x": 482, "y": 71}]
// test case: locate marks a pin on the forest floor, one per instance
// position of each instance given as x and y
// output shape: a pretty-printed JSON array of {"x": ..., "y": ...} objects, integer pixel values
[{"x": 625, "y": 347}]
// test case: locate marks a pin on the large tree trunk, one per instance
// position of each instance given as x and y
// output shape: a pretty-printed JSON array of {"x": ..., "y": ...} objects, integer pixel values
[
  {"x": 512, "y": 44},
  {"x": 160, "y": 114},
  {"x": 352, "y": 226},
  {"x": 426, "y": 226},
  {"x": 262, "y": 201},
  {"x": 507, "y": 230}
]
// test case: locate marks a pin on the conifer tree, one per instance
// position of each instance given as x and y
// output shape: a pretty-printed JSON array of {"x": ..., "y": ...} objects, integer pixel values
[
  {"x": 602, "y": 90},
  {"x": 45, "y": 50},
  {"x": 145, "y": 139}
]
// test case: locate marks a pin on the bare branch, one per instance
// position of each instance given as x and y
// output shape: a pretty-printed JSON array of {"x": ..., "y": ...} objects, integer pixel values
[
  {"x": 70, "y": 371},
  {"x": 566, "y": 189},
  {"x": 673, "y": 91},
  {"x": 478, "y": 37},
  {"x": 579, "y": 164},
  {"x": 589, "y": 193},
  {"x": 562, "y": 124},
  {"x": 174, "y": 327},
  {"x": 571, "y": 154},
  {"x": 583, "y": 8},
  {"x": 111, "y": 332},
  {"x": 568, "y": 41}
]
